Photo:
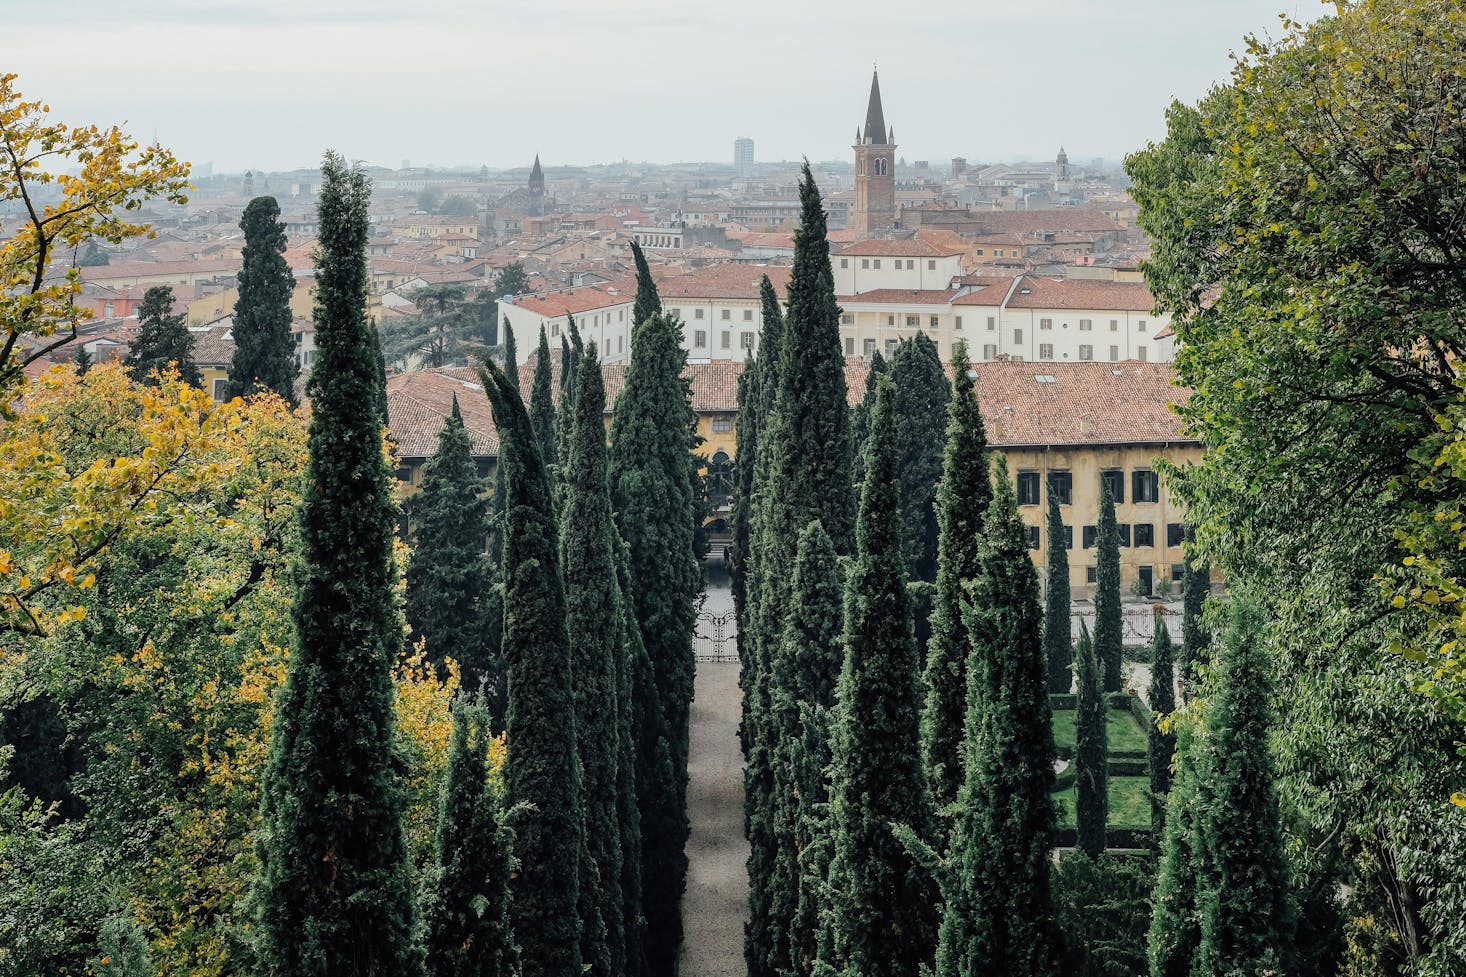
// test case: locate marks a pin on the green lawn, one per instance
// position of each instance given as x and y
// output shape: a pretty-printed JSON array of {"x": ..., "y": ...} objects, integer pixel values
[
  {"x": 1129, "y": 803},
  {"x": 1125, "y": 734}
]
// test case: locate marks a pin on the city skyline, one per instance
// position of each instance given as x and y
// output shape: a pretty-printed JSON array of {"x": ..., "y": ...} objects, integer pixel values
[{"x": 646, "y": 82}]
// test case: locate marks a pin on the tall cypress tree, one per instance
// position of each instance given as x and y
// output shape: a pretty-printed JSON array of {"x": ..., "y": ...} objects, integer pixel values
[
  {"x": 1091, "y": 753},
  {"x": 1160, "y": 744},
  {"x": 1247, "y": 914},
  {"x": 860, "y": 417},
  {"x": 466, "y": 918},
  {"x": 264, "y": 352},
  {"x": 881, "y": 901},
  {"x": 652, "y": 495},
  {"x": 801, "y": 686},
  {"x": 1195, "y": 641},
  {"x": 592, "y": 610},
  {"x": 1108, "y": 640},
  {"x": 1175, "y": 926},
  {"x": 644, "y": 766},
  {"x": 162, "y": 340},
  {"x": 745, "y": 447},
  {"x": 334, "y": 894},
  {"x": 448, "y": 575},
  {"x": 542, "y": 768},
  {"x": 922, "y": 394},
  {"x": 999, "y": 916},
  {"x": 1058, "y": 636},
  {"x": 542, "y": 408},
  {"x": 648, "y": 302},
  {"x": 963, "y": 497}
]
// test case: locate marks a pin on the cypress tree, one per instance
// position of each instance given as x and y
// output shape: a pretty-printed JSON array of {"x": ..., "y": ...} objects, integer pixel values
[
  {"x": 1091, "y": 753},
  {"x": 860, "y": 417},
  {"x": 881, "y": 902},
  {"x": 448, "y": 574},
  {"x": 334, "y": 894},
  {"x": 1108, "y": 640},
  {"x": 644, "y": 765},
  {"x": 542, "y": 768},
  {"x": 999, "y": 916},
  {"x": 1244, "y": 899},
  {"x": 1195, "y": 641},
  {"x": 802, "y": 683},
  {"x": 162, "y": 340},
  {"x": 374, "y": 350},
  {"x": 745, "y": 433},
  {"x": 1175, "y": 929},
  {"x": 466, "y": 919},
  {"x": 922, "y": 394},
  {"x": 83, "y": 361},
  {"x": 648, "y": 302},
  {"x": 763, "y": 391},
  {"x": 264, "y": 351},
  {"x": 592, "y": 611},
  {"x": 1160, "y": 745},
  {"x": 1058, "y": 640},
  {"x": 542, "y": 409},
  {"x": 652, "y": 495},
  {"x": 962, "y": 501}
]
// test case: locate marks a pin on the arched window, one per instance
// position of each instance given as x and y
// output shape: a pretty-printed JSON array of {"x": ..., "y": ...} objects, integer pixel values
[
  {"x": 720, "y": 480},
  {"x": 880, "y": 167}
]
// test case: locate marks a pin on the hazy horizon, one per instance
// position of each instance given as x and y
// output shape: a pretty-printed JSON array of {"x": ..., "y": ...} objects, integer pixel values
[{"x": 270, "y": 84}]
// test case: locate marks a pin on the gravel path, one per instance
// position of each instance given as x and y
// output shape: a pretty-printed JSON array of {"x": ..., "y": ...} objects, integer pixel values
[{"x": 716, "y": 904}]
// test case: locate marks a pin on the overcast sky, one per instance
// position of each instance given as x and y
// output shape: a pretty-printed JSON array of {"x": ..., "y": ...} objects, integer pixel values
[{"x": 271, "y": 83}]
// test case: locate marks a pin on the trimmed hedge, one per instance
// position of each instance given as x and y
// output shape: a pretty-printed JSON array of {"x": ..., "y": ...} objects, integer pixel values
[{"x": 1137, "y": 839}]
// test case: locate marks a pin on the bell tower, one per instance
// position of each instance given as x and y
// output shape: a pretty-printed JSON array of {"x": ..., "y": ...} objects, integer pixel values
[{"x": 875, "y": 169}]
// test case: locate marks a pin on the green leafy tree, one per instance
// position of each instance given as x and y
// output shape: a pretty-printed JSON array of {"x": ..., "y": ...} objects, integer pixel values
[
  {"x": 1160, "y": 742},
  {"x": 1091, "y": 752},
  {"x": 448, "y": 575},
  {"x": 542, "y": 769},
  {"x": 922, "y": 394},
  {"x": 648, "y": 302},
  {"x": 963, "y": 497},
  {"x": 1109, "y": 641},
  {"x": 542, "y": 408},
  {"x": 593, "y": 609},
  {"x": 882, "y": 903},
  {"x": 162, "y": 340},
  {"x": 652, "y": 495},
  {"x": 1058, "y": 626},
  {"x": 999, "y": 915},
  {"x": 264, "y": 350},
  {"x": 644, "y": 765},
  {"x": 334, "y": 894},
  {"x": 466, "y": 918},
  {"x": 436, "y": 335}
]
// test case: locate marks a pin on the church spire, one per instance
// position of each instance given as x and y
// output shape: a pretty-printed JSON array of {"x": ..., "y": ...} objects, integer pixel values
[{"x": 875, "y": 119}]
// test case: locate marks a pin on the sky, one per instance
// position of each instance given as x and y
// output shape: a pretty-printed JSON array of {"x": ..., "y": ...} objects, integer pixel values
[{"x": 271, "y": 84}]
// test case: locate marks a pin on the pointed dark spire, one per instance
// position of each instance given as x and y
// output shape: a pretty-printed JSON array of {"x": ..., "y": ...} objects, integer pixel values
[
  {"x": 537, "y": 175},
  {"x": 875, "y": 120}
]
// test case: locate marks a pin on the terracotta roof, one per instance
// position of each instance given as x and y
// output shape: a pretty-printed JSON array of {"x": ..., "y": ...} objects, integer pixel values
[
  {"x": 913, "y": 247},
  {"x": 582, "y": 298},
  {"x": 903, "y": 296},
  {"x": 213, "y": 346},
  {"x": 418, "y": 405},
  {"x": 714, "y": 384},
  {"x": 1027, "y": 222},
  {"x": 723, "y": 282},
  {"x": 1079, "y": 293},
  {"x": 173, "y": 269},
  {"x": 989, "y": 291}
]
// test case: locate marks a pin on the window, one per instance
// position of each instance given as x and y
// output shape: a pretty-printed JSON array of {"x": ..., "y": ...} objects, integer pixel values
[
  {"x": 992, "y": 323},
  {"x": 608, "y": 345},
  {"x": 1018, "y": 337},
  {"x": 931, "y": 266},
  {"x": 727, "y": 340},
  {"x": 865, "y": 262},
  {"x": 722, "y": 425},
  {"x": 1032, "y": 537},
  {"x": 1114, "y": 325},
  {"x": 849, "y": 346},
  {"x": 912, "y": 321},
  {"x": 1178, "y": 572},
  {"x": 1085, "y": 325},
  {"x": 979, "y": 252},
  {"x": 700, "y": 339},
  {"x": 1028, "y": 488},
  {"x": 891, "y": 345},
  {"x": 1046, "y": 323},
  {"x": 621, "y": 316},
  {"x": 910, "y": 264},
  {"x": 844, "y": 262},
  {"x": 620, "y": 343},
  {"x": 1115, "y": 479},
  {"x": 1045, "y": 351},
  {"x": 220, "y": 386},
  {"x": 404, "y": 474},
  {"x": 1175, "y": 534},
  {"x": 747, "y": 315},
  {"x": 1068, "y": 534},
  {"x": 868, "y": 348},
  {"x": 877, "y": 264},
  {"x": 846, "y": 319},
  {"x": 934, "y": 321},
  {"x": 697, "y": 313},
  {"x": 1144, "y": 534},
  {"x": 1140, "y": 325},
  {"x": 957, "y": 322},
  {"x": 720, "y": 479},
  {"x": 989, "y": 352},
  {"x": 1091, "y": 574},
  {"x": 890, "y": 320},
  {"x": 745, "y": 340},
  {"x": 1061, "y": 486},
  {"x": 1086, "y": 352},
  {"x": 1140, "y": 353},
  {"x": 1088, "y": 536},
  {"x": 1124, "y": 528},
  {"x": 1145, "y": 486},
  {"x": 1114, "y": 354},
  {"x": 727, "y": 314}
]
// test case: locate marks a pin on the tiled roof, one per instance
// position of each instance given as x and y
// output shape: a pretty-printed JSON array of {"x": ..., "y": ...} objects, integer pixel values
[
  {"x": 902, "y": 296},
  {"x": 723, "y": 282},
  {"x": 1058, "y": 220},
  {"x": 913, "y": 247},
  {"x": 714, "y": 384},
  {"x": 173, "y": 269},
  {"x": 583, "y": 298},
  {"x": 989, "y": 291},
  {"x": 1079, "y": 293},
  {"x": 213, "y": 346},
  {"x": 418, "y": 405}
]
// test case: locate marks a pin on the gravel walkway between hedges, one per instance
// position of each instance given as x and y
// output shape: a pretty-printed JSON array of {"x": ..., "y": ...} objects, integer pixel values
[{"x": 716, "y": 904}]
